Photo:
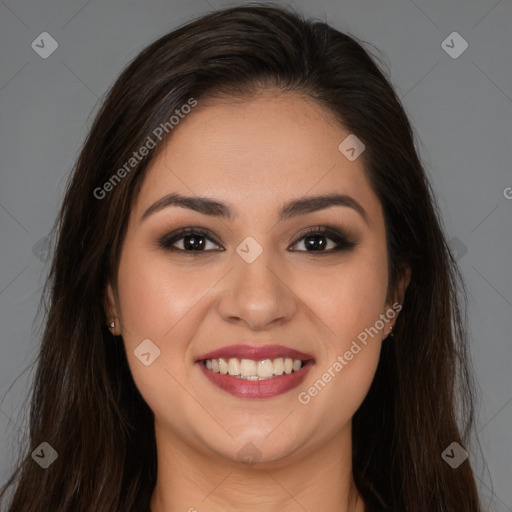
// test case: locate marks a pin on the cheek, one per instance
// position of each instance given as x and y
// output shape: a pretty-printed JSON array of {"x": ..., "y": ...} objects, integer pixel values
[
  {"x": 155, "y": 296},
  {"x": 350, "y": 299},
  {"x": 349, "y": 304},
  {"x": 156, "y": 303},
  {"x": 161, "y": 303}
]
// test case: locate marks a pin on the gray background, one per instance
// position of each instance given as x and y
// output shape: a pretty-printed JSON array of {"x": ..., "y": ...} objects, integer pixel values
[{"x": 460, "y": 108}]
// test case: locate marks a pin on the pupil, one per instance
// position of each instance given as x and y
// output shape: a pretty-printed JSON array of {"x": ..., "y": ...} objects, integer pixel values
[
  {"x": 197, "y": 242},
  {"x": 315, "y": 242}
]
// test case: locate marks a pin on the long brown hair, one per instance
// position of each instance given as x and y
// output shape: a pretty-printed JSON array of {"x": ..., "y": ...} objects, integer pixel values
[{"x": 85, "y": 403}]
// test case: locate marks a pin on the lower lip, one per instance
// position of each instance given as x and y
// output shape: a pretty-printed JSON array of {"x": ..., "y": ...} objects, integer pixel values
[{"x": 267, "y": 388}]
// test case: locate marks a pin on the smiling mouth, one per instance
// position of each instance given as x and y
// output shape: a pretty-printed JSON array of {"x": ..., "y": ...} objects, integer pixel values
[{"x": 254, "y": 370}]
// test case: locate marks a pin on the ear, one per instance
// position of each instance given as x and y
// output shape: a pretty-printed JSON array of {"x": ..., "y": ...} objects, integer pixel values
[
  {"x": 111, "y": 311},
  {"x": 396, "y": 301},
  {"x": 403, "y": 283}
]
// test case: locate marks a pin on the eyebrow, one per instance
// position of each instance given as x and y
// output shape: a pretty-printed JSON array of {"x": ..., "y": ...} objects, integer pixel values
[{"x": 293, "y": 208}]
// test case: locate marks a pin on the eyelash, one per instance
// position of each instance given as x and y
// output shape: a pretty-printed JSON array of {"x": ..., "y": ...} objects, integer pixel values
[{"x": 343, "y": 243}]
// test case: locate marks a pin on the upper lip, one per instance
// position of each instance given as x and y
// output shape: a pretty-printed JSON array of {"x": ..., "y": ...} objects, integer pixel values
[{"x": 255, "y": 352}]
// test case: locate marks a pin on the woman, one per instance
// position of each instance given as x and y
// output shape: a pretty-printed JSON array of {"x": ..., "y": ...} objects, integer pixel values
[{"x": 252, "y": 302}]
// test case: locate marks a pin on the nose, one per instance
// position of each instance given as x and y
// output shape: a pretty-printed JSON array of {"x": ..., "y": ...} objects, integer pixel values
[{"x": 257, "y": 294}]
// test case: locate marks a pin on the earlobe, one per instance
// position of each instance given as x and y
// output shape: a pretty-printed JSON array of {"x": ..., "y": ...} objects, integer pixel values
[
  {"x": 111, "y": 311},
  {"x": 110, "y": 302},
  {"x": 397, "y": 295},
  {"x": 398, "y": 300},
  {"x": 405, "y": 279}
]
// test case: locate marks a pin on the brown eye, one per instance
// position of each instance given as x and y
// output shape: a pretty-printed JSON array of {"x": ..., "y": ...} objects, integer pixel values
[
  {"x": 324, "y": 240},
  {"x": 191, "y": 240}
]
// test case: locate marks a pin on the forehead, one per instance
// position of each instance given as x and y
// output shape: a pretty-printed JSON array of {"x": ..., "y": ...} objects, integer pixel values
[{"x": 258, "y": 151}]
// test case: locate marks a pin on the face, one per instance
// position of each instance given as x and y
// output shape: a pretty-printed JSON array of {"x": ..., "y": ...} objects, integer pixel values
[{"x": 259, "y": 277}]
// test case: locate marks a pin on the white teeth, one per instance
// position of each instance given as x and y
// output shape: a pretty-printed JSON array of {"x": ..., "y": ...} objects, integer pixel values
[
  {"x": 250, "y": 369},
  {"x": 265, "y": 368},
  {"x": 278, "y": 366},
  {"x": 233, "y": 367},
  {"x": 223, "y": 366}
]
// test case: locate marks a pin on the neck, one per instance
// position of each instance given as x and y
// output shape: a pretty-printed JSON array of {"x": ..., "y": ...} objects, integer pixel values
[{"x": 190, "y": 480}]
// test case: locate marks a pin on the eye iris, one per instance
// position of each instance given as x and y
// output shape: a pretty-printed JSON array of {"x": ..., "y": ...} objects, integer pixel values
[
  {"x": 193, "y": 242},
  {"x": 315, "y": 242}
]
